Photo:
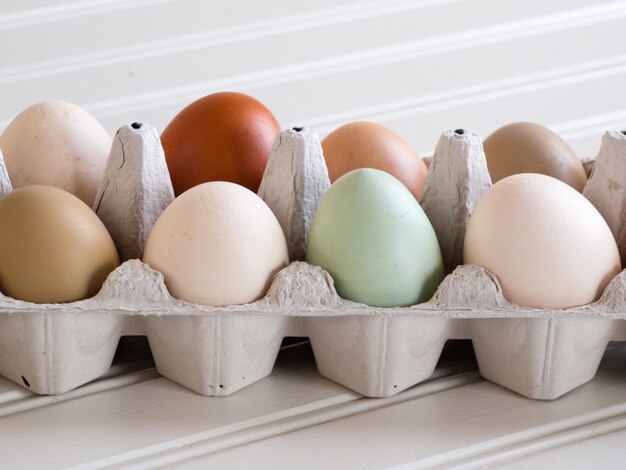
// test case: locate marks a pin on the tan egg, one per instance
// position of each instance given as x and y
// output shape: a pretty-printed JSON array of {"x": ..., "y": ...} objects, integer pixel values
[
  {"x": 53, "y": 247},
  {"x": 58, "y": 144},
  {"x": 370, "y": 145},
  {"x": 217, "y": 244},
  {"x": 526, "y": 147}
]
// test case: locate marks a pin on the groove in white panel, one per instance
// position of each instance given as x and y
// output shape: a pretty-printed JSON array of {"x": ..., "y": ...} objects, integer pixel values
[
  {"x": 486, "y": 91},
  {"x": 488, "y": 115},
  {"x": 70, "y": 10},
  {"x": 331, "y": 66},
  {"x": 442, "y": 429},
  {"x": 14, "y": 395},
  {"x": 30, "y": 402},
  {"x": 490, "y": 454},
  {"x": 168, "y": 453},
  {"x": 215, "y": 37},
  {"x": 406, "y": 107},
  {"x": 592, "y": 125},
  {"x": 604, "y": 451}
]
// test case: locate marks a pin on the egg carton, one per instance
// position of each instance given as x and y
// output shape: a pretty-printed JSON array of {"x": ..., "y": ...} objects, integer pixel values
[{"x": 377, "y": 352}]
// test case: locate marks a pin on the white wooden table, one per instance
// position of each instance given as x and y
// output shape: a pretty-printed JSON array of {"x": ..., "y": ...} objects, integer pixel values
[{"x": 297, "y": 419}]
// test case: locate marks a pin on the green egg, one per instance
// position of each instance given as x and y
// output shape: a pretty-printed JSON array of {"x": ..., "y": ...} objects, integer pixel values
[{"x": 371, "y": 235}]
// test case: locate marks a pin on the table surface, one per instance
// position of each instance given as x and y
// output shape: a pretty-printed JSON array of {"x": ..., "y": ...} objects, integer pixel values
[{"x": 133, "y": 418}]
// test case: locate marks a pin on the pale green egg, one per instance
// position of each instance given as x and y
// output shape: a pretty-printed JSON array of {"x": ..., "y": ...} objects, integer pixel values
[{"x": 371, "y": 235}]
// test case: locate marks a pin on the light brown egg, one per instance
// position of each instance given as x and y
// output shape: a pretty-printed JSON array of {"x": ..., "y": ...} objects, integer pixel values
[
  {"x": 53, "y": 247},
  {"x": 371, "y": 145},
  {"x": 526, "y": 147}
]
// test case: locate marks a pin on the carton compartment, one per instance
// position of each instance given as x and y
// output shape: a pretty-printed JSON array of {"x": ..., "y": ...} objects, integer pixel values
[{"x": 54, "y": 352}]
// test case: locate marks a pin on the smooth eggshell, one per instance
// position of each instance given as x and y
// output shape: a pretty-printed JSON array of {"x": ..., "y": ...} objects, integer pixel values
[
  {"x": 548, "y": 245},
  {"x": 376, "y": 242},
  {"x": 58, "y": 144},
  {"x": 221, "y": 137},
  {"x": 53, "y": 247},
  {"x": 371, "y": 145},
  {"x": 217, "y": 244},
  {"x": 525, "y": 147}
]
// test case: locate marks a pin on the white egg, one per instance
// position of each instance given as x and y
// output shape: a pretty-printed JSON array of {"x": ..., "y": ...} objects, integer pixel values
[
  {"x": 217, "y": 244},
  {"x": 57, "y": 144},
  {"x": 548, "y": 245}
]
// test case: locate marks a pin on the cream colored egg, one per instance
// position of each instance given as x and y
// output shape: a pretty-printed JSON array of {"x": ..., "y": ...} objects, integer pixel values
[
  {"x": 58, "y": 144},
  {"x": 548, "y": 245},
  {"x": 217, "y": 244}
]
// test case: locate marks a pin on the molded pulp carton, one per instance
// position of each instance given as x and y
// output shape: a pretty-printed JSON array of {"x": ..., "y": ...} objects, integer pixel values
[{"x": 377, "y": 352}]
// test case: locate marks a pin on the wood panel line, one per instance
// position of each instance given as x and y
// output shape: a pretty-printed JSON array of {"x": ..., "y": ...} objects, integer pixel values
[
  {"x": 485, "y": 91},
  {"x": 357, "y": 60},
  {"x": 613, "y": 420},
  {"x": 24, "y": 401},
  {"x": 441, "y": 430},
  {"x": 587, "y": 71},
  {"x": 168, "y": 453},
  {"x": 70, "y": 10},
  {"x": 592, "y": 125},
  {"x": 214, "y": 37}
]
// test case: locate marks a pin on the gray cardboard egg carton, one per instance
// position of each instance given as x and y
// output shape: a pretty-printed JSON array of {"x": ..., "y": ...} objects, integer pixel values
[{"x": 377, "y": 352}]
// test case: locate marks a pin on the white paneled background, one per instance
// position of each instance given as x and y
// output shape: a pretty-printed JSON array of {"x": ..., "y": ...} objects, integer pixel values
[{"x": 419, "y": 66}]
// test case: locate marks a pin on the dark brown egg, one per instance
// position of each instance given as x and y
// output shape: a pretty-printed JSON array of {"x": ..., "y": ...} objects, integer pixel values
[
  {"x": 525, "y": 147},
  {"x": 221, "y": 137}
]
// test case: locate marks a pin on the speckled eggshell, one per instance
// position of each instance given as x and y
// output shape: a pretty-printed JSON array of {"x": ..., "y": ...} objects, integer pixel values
[
  {"x": 548, "y": 245},
  {"x": 376, "y": 242},
  {"x": 217, "y": 244},
  {"x": 526, "y": 147},
  {"x": 58, "y": 144},
  {"x": 222, "y": 137},
  {"x": 370, "y": 145},
  {"x": 53, "y": 247}
]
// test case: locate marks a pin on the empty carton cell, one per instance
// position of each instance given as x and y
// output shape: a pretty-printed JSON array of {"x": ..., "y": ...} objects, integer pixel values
[
  {"x": 377, "y": 355},
  {"x": 540, "y": 358},
  {"x": 53, "y": 352},
  {"x": 215, "y": 355}
]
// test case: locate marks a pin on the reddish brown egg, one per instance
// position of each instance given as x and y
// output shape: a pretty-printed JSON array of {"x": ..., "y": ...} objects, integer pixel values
[
  {"x": 370, "y": 145},
  {"x": 221, "y": 137}
]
